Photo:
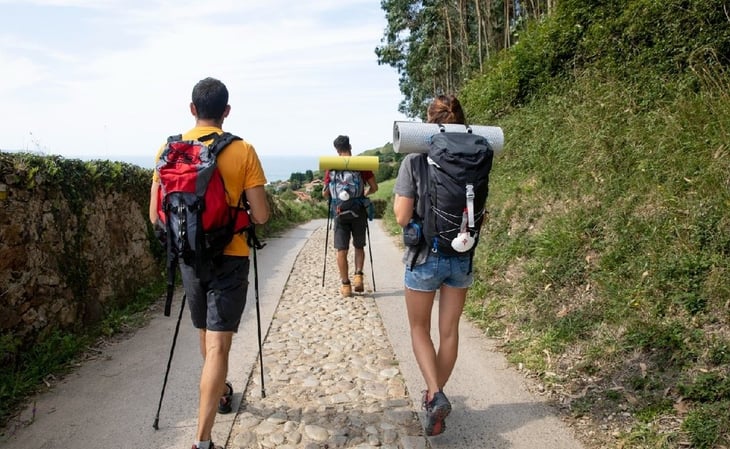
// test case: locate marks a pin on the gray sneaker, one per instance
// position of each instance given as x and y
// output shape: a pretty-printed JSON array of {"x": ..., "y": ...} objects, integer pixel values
[
  {"x": 212, "y": 446},
  {"x": 436, "y": 412}
]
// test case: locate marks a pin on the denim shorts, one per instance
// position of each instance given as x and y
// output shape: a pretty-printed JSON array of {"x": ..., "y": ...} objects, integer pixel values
[
  {"x": 217, "y": 304},
  {"x": 452, "y": 271}
]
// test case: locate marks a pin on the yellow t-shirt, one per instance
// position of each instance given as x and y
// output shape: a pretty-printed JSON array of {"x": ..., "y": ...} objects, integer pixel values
[{"x": 240, "y": 168}]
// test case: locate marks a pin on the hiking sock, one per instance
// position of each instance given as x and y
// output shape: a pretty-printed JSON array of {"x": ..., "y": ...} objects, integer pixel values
[{"x": 203, "y": 444}]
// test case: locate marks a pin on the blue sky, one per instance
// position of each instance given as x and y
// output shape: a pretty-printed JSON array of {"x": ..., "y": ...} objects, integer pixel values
[{"x": 111, "y": 78}]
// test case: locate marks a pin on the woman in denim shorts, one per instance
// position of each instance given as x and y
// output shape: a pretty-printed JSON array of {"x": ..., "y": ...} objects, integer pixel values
[{"x": 427, "y": 273}]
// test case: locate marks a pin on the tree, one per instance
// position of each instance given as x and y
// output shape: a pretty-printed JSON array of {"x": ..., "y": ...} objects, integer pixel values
[
  {"x": 436, "y": 45},
  {"x": 385, "y": 171},
  {"x": 317, "y": 194},
  {"x": 406, "y": 47},
  {"x": 297, "y": 177}
]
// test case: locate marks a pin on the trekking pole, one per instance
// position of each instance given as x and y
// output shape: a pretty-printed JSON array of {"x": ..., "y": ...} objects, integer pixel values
[
  {"x": 169, "y": 361},
  {"x": 370, "y": 249},
  {"x": 326, "y": 239},
  {"x": 258, "y": 317}
]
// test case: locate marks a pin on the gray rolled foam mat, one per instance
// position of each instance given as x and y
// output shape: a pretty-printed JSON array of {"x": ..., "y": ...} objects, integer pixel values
[{"x": 414, "y": 137}]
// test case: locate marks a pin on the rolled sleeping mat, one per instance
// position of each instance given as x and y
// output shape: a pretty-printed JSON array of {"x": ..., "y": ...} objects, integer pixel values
[
  {"x": 355, "y": 163},
  {"x": 415, "y": 137}
]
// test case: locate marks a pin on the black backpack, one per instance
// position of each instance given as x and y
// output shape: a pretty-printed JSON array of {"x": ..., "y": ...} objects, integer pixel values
[{"x": 456, "y": 191}]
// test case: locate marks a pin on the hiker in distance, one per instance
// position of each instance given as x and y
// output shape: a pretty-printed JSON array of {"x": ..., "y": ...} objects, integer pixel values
[
  {"x": 434, "y": 261},
  {"x": 347, "y": 191},
  {"x": 217, "y": 295}
]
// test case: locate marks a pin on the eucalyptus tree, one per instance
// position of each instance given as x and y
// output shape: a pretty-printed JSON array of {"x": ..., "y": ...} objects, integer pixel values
[
  {"x": 435, "y": 45},
  {"x": 413, "y": 43}
]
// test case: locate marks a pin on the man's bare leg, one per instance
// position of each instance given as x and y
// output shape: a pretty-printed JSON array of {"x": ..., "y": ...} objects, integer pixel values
[{"x": 215, "y": 347}]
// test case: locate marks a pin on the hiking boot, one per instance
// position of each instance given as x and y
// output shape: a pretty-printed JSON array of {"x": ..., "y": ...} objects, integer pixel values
[
  {"x": 357, "y": 283},
  {"x": 225, "y": 405},
  {"x": 346, "y": 290},
  {"x": 436, "y": 412}
]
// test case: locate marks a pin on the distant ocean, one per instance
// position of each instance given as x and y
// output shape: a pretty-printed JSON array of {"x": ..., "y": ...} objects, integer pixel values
[
  {"x": 280, "y": 168},
  {"x": 276, "y": 168}
]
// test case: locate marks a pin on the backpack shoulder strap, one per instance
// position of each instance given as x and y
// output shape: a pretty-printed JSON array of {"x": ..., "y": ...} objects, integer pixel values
[
  {"x": 422, "y": 171},
  {"x": 221, "y": 141},
  {"x": 360, "y": 180},
  {"x": 335, "y": 178}
]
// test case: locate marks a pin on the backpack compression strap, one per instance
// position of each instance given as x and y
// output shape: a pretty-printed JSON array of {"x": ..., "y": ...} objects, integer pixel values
[{"x": 171, "y": 269}]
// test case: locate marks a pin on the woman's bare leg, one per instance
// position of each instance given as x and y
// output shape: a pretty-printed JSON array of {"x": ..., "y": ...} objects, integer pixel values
[
  {"x": 419, "y": 305},
  {"x": 451, "y": 305}
]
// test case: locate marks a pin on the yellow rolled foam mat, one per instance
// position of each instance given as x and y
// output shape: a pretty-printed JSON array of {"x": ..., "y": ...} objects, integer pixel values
[{"x": 356, "y": 163}]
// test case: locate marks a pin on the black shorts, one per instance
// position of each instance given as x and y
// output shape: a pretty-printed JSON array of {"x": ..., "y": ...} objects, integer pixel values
[
  {"x": 218, "y": 304},
  {"x": 356, "y": 228}
]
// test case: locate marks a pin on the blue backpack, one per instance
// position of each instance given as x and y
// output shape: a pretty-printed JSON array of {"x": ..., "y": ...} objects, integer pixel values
[{"x": 347, "y": 193}]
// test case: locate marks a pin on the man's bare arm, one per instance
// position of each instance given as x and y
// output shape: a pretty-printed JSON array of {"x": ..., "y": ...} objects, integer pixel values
[
  {"x": 154, "y": 189},
  {"x": 256, "y": 197}
]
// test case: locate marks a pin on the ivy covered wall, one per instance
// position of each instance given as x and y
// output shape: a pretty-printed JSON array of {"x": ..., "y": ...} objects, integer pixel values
[{"x": 74, "y": 240}]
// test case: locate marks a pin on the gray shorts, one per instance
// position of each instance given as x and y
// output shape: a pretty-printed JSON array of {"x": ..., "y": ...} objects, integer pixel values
[
  {"x": 355, "y": 228},
  {"x": 217, "y": 304}
]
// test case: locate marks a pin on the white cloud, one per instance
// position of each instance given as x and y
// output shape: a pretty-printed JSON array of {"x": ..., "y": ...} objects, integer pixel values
[
  {"x": 299, "y": 74},
  {"x": 64, "y": 3},
  {"x": 24, "y": 73}
]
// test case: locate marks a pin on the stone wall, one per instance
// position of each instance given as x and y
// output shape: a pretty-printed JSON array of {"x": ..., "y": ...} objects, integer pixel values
[{"x": 74, "y": 241}]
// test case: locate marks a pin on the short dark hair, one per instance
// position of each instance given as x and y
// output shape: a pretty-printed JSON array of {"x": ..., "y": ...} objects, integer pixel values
[
  {"x": 342, "y": 143},
  {"x": 210, "y": 98}
]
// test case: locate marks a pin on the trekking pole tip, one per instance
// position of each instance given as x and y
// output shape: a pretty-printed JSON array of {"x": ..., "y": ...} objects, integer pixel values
[{"x": 156, "y": 425}]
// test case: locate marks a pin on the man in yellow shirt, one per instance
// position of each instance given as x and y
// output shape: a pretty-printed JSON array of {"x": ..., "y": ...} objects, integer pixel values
[{"x": 216, "y": 306}]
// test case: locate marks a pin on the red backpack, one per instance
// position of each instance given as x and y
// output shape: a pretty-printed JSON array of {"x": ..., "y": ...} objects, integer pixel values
[{"x": 193, "y": 206}]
